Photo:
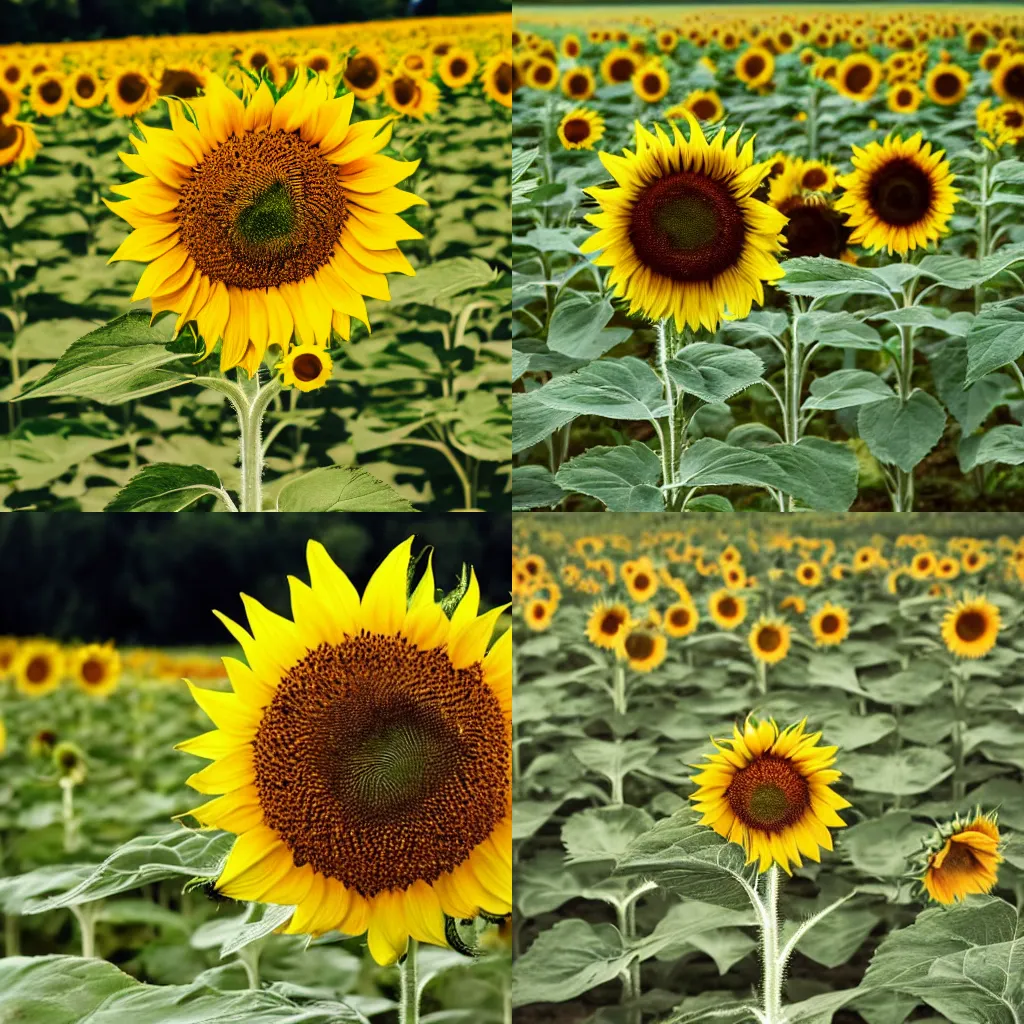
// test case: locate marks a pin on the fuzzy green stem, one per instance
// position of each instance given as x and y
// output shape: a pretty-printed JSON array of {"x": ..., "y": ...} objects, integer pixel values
[
  {"x": 409, "y": 1009},
  {"x": 619, "y": 687},
  {"x": 85, "y": 915},
  {"x": 773, "y": 967},
  {"x": 12, "y": 935},
  {"x": 71, "y": 837},
  {"x": 979, "y": 289},
  {"x": 959, "y": 783},
  {"x": 812, "y": 124},
  {"x": 762, "y": 676}
]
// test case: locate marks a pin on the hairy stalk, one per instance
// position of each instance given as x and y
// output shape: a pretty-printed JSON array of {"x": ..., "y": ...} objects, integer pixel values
[
  {"x": 409, "y": 1008},
  {"x": 982, "y": 252},
  {"x": 669, "y": 457},
  {"x": 903, "y": 496},
  {"x": 86, "y": 914},
  {"x": 619, "y": 687},
  {"x": 772, "y": 963},
  {"x": 71, "y": 837},
  {"x": 959, "y": 783}
]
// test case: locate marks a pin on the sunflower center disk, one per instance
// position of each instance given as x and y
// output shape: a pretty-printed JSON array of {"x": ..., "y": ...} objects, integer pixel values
[
  {"x": 380, "y": 764},
  {"x": 262, "y": 210},
  {"x": 639, "y": 646},
  {"x": 970, "y": 626},
  {"x": 959, "y": 858},
  {"x": 92, "y": 671},
  {"x": 769, "y": 794},
  {"x": 37, "y": 670},
  {"x": 901, "y": 193},
  {"x": 688, "y": 227}
]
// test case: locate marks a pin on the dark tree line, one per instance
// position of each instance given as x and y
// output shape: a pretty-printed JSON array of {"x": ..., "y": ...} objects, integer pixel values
[{"x": 153, "y": 579}]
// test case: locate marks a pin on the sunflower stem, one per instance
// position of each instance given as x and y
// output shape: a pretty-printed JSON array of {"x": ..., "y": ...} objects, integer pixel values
[
  {"x": 979, "y": 289},
  {"x": 251, "y": 407},
  {"x": 85, "y": 915},
  {"x": 812, "y": 124},
  {"x": 773, "y": 966},
  {"x": 668, "y": 449},
  {"x": 959, "y": 784},
  {"x": 762, "y": 676},
  {"x": 619, "y": 691},
  {"x": 903, "y": 496},
  {"x": 12, "y": 935},
  {"x": 67, "y": 786},
  {"x": 409, "y": 1009}
]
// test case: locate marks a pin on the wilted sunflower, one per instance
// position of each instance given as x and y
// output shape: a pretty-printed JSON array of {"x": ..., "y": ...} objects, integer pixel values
[
  {"x": 1008, "y": 78},
  {"x": 899, "y": 196},
  {"x": 130, "y": 91},
  {"x": 578, "y": 83},
  {"x": 970, "y": 627},
  {"x": 86, "y": 89},
  {"x": 755, "y": 67},
  {"x": 96, "y": 668},
  {"x": 682, "y": 232},
  {"x": 651, "y": 82},
  {"x": 266, "y": 218},
  {"x": 727, "y": 610},
  {"x": 364, "y": 758},
  {"x": 642, "y": 646},
  {"x": 769, "y": 640},
  {"x": 457, "y": 68},
  {"x": 966, "y": 860},
  {"x": 580, "y": 128},
  {"x": 306, "y": 367},
  {"x": 364, "y": 74},
  {"x": 499, "y": 78},
  {"x": 681, "y": 619},
  {"x": 49, "y": 95},
  {"x": 830, "y": 624},
  {"x": 904, "y": 98},
  {"x": 38, "y": 667},
  {"x": 857, "y": 76},
  {"x": 605, "y": 623},
  {"x": 771, "y": 793},
  {"x": 538, "y": 613},
  {"x": 947, "y": 84},
  {"x": 18, "y": 143}
]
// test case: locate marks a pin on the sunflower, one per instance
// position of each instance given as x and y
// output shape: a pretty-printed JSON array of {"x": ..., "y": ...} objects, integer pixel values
[
  {"x": 991, "y": 59},
  {"x": 306, "y": 367},
  {"x": 8, "y": 649},
  {"x": 619, "y": 66},
  {"x": 570, "y": 46},
  {"x": 683, "y": 234},
  {"x": 68, "y": 759},
  {"x": 605, "y": 624},
  {"x": 580, "y": 128},
  {"x": 364, "y": 758},
  {"x": 899, "y": 195},
  {"x": 86, "y": 89},
  {"x": 182, "y": 80},
  {"x": 734, "y": 576},
  {"x": 578, "y": 84},
  {"x": 947, "y": 568},
  {"x": 704, "y": 104},
  {"x": 322, "y": 62},
  {"x": 970, "y": 627},
  {"x": 727, "y": 609},
  {"x": 651, "y": 82},
  {"x": 130, "y": 91},
  {"x": 642, "y": 585},
  {"x": 267, "y": 218},
  {"x": 769, "y": 640},
  {"x": 642, "y": 646},
  {"x": 1008, "y": 78},
  {"x": 974, "y": 561},
  {"x": 10, "y": 104},
  {"x": 830, "y": 624},
  {"x": 681, "y": 619},
  {"x": 96, "y": 668},
  {"x": 415, "y": 97},
  {"x": 499, "y": 78},
  {"x": 538, "y": 613},
  {"x": 858, "y": 76},
  {"x": 364, "y": 74},
  {"x": 457, "y": 68},
  {"x": 966, "y": 861},
  {"x": 755, "y": 67},
  {"x": 13, "y": 74},
  {"x": 904, "y": 98},
  {"x": 38, "y": 667},
  {"x": 417, "y": 62},
  {"x": 947, "y": 84},
  {"x": 794, "y": 602},
  {"x": 50, "y": 95},
  {"x": 808, "y": 573},
  {"x": 770, "y": 792}
]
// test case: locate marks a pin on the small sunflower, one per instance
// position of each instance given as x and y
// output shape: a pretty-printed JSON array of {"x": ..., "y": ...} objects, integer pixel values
[
  {"x": 904, "y": 97},
  {"x": 185, "y": 81},
  {"x": 651, "y": 82},
  {"x": 96, "y": 668},
  {"x": 619, "y": 66},
  {"x": 580, "y": 128},
  {"x": 8, "y": 649},
  {"x": 727, "y": 609},
  {"x": 18, "y": 143},
  {"x": 770, "y": 792},
  {"x": 499, "y": 78},
  {"x": 413, "y": 96},
  {"x": 265, "y": 219},
  {"x": 974, "y": 561},
  {"x": 682, "y": 232},
  {"x": 542, "y": 74},
  {"x": 922, "y": 565},
  {"x": 86, "y": 89},
  {"x": 570, "y": 46},
  {"x": 606, "y": 623},
  {"x": 704, "y": 104},
  {"x": 808, "y": 574},
  {"x": 1008, "y": 78},
  {"x": 642, "y": 585},
  {"x": 947, "y": 84},
  {"x": 50, "y": 95},
  {"x": 794, "y": 602},
  {"x": 899, "y": 196},
  {"x": 769, "y": 640},
  {"x": 578, "y": 83},
  {"x": 364, "y": 758},
  {"x": 457, "y": 68},
  {"x": 130, "y": 91},
  {"x": 538, "y": 613},
  {"x": 967, "y": 860},
  {"x": 970, "y": 627},
  {"x": 755, "y": 67},
  {"x": 364, "y": 74},
  {"x": 13, "y": 74},
  {"x": 681, "y": 619},
  {"x": 321, "y": 61},
  {"x": 38, "y": 667},
  {"x": 830, "y": 624},
  {"x": 857, "y": 76},
  {"x": 643, "y": 646},
  {"x": 947, "y": 568}
]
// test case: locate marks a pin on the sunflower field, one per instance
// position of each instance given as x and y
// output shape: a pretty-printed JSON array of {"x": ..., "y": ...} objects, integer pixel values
[
  {"x": 768, "y": 774},
  {"x": 258, "y": 271},
  {"x": 274, "y": 831},
  {"x": 768, "y": 258}
]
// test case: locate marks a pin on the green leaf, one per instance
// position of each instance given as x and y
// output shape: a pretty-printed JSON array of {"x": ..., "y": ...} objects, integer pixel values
[
  {"x": 626, "y": 478},
  {"x": 710, "y": 503},
  {"x": 964, "y": 961},
  {"x": 843, "y": 389},
  {"x": 522, "y": 161},
  {"x": 1009, "y": 171},
  {"x": 837, "y": 330},
  {"x": 969, "y": 407},
  {"x": 549, "y": 240},
  {"x": 714, "y": 373},
  {"x": 340, "y": 489},
  {"x": 602, "y": 833},
  {"x": 142, "y": 860},
  {"x": 534, "y": 487},
  {"x": 840, "y": 936},
  {"x": 881, "y": 847},
  {"x": 819, "y": 276},
  {"x": 520, "y": 364},
  {"x": 57, "y": 989},
  {"x": 17, "y": 890},
  {"x": 689, "y": 860},
  {"x": 116, "y": 363},
  {"x": 961, "y": 273},
  {"x": 1004, "y": 443},
  {"x": 821, "y": 474},
  {"x": 709, "y": 462},
  {"x": 957, "y": 324},
  {"x": 49, "y": 339},
  {"x": 165, "y": 487},
  {"x": 442, "y": 280},
  {"x": 533, "y": 419},
  {"x": 578, "y": 327},
  {"x": 910, "y": 771},
  {"x": 618, "y": 389},
  {"x": 902, "y": 432},
  {"x": 996, "y": 338},
  {"x": 530, "y": 815}
]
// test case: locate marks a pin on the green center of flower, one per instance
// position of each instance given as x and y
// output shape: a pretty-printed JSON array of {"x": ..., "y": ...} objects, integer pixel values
[
  {"x": 270, "y": 217},
  {"x": 688, "y": 222},
  {"x": 768, "y": 804},
  {"x": 388, "y": 768},
  {"x": 769, "y": 794}
]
